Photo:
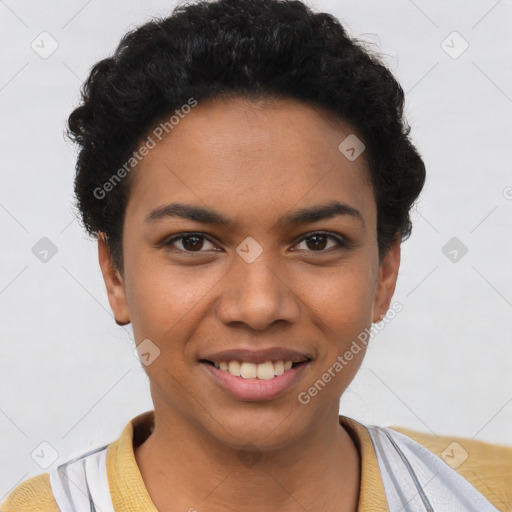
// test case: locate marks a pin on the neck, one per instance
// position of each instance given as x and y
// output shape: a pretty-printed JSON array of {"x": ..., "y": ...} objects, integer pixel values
[{"x": 320, "y": 472}]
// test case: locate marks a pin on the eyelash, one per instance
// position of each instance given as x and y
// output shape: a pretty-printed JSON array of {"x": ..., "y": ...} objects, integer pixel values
[{"x": 340, "y": 241}]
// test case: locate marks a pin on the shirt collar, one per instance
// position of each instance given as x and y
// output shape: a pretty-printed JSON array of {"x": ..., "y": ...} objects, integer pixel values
[{"x": 129, "y": 492}]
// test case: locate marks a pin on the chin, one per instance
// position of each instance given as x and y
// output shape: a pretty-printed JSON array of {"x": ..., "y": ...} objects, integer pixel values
[{"x": 260, "y": 425}]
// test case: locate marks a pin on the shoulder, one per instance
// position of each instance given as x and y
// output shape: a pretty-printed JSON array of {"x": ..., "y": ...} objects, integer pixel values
[
  {"x": 32, "y": 495},
  {"x": 486, "y": 466}
]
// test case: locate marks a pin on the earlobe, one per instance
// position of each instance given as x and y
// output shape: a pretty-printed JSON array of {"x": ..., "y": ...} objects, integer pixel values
[
  {"x": 114, "y": 283},
  {"x": 388, "y": 273}
]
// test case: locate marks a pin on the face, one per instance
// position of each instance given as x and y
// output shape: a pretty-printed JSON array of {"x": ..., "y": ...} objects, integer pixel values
[{"x": 241, "y": 272}]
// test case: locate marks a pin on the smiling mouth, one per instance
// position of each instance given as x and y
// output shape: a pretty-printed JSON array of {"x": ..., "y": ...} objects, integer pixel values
[{"x": 263, "y": 371}]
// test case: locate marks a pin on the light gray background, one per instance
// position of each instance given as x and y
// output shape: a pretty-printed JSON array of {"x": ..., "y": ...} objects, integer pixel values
[{"x": 68, "y": 374}]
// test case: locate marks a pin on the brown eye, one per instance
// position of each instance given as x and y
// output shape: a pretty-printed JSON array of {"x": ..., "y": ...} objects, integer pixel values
[
  {"x": 317, "y": 242},
  {"x": 193, "y": 242}
]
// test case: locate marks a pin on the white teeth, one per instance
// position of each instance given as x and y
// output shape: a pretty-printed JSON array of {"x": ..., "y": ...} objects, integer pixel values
[
  {"x": 234, "y": 368},
  {"x": 279, "y": 367},
  {"x": 248, "y": 370},
  {"x": 264, "y": 371}
]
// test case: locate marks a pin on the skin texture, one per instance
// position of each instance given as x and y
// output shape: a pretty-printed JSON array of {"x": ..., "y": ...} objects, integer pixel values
[{"x": 253, "y": 161}]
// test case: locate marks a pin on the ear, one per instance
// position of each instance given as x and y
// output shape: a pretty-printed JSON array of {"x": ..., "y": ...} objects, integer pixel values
[
  {"x": 388, "y": 273},
  {"x": 114, "y": 282}
]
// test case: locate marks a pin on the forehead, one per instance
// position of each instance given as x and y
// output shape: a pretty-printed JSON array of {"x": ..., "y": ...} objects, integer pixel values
[{"x": 248, "y": 156}]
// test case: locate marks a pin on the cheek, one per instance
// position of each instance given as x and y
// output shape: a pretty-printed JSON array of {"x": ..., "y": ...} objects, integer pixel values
[
  {"x": 343, "y": 306},
  {"x": 342, "y": 299},
  {"x": 159, "y": 297},
  {"x": 164, "y": 307}
]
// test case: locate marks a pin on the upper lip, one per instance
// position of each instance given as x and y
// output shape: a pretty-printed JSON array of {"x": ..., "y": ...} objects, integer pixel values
[{"x": 257, "y": 356}]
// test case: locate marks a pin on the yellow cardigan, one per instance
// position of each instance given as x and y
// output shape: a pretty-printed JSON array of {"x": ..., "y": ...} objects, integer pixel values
[{"x": 488, "y": 468}]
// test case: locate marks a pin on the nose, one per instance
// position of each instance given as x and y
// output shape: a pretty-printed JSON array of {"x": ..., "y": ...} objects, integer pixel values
[{"x": 257, "y": 295}]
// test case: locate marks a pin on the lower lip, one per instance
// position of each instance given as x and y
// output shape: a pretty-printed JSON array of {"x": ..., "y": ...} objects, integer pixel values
[{"x": 256, "y": 389}]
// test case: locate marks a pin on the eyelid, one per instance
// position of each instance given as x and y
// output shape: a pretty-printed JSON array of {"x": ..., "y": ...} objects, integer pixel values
[{"x": 340, "y": 240}]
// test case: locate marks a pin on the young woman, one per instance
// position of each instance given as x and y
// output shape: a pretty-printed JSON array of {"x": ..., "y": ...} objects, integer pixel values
[{"x": 247, "y": 171}]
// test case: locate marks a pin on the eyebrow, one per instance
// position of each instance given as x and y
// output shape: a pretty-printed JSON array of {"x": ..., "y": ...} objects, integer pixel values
[{"x": 209, "y": 216}]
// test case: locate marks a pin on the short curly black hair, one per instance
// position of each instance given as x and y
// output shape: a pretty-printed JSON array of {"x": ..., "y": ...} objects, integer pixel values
[{"x": 239, "y": 48}]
